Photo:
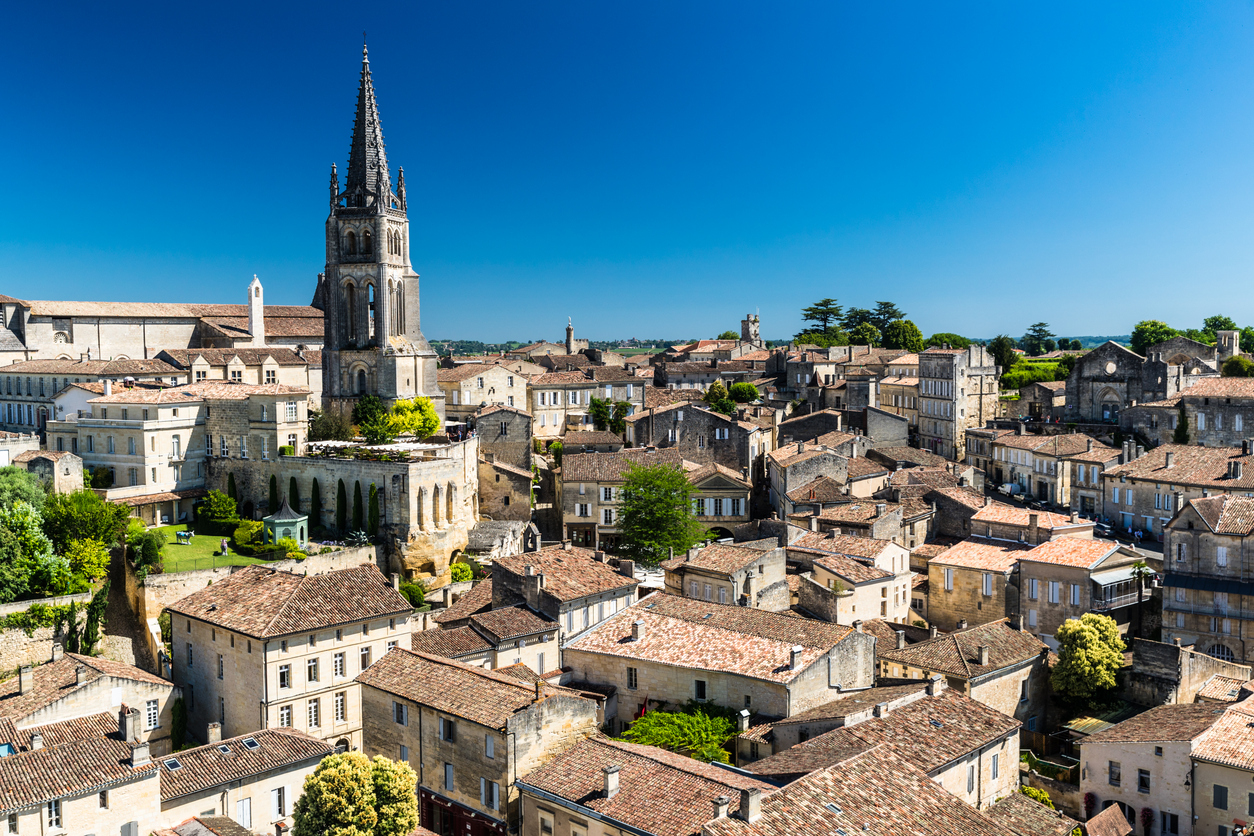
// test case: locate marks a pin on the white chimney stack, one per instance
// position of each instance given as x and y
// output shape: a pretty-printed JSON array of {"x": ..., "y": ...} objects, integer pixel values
[{"x": 256, "y": 312}]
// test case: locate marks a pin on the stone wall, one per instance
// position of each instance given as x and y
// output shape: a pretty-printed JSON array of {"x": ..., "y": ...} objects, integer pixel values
[
  {"x": 504, "y": 491},
  {"x": 822, "y": 602},
  {"x": 1167, "y": 673},
  {"x": 1066, "y": 797},
  {"x": 513, "y": 446},
  {"x": 17, "y": 648}
]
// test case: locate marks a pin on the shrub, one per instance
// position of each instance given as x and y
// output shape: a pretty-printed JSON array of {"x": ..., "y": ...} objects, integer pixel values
[
  {"x": 101, "y": 477},
  {"x": 460, "y": 572},
  {"x": 167, "y": 633},
  {"x": 414, "y": 593},
  {"x": 287, "y": 450},
  {"x": 555, "y": 450},
  {"x": 1037, "y": 795},
  {"x": 247, "y": 535},
  {"x": 95, "y": 618},
  {"x": 291, "y": 548},
  {"x": 743, "y": 392},
  {"x": 88, "y": 558},
  {"x": 178, "y": 724},
  {"x": 694, "y": 732}
]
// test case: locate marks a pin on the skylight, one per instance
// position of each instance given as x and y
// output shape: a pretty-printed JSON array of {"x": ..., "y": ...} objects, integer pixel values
[
  {"x": 172, "y": 764},
  {"x": 251, "y": 743},
  {"x": 829, "y": 805},
  {"x": 224, "y": 749}
]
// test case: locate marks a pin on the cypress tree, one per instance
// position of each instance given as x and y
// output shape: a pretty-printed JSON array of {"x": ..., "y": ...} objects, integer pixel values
[
  {"x": 373, "y": 520},
  {"x": 1181, "y": 435},
  {"x": 357, "y": 510},
  {"x": 230, "y": 486},
  {"x": 341, "y": 508},
  {"x": 293, "y": 495},
  {"x": 315, "y": 505},
  {"x": 274, "y": 493}
]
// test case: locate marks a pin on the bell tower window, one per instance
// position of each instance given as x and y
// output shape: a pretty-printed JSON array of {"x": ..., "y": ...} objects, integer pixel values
[
  {"x": 352, "y": 243},
  {"x": 361, "y": 381},
  {"x": 366, "y": 248},
  {"x": 370, "y": 310},
  {"x": 350, "y": 299}
]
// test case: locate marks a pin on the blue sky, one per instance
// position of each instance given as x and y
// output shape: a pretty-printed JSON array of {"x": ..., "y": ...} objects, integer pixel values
[{"x": 649, "y": 169}]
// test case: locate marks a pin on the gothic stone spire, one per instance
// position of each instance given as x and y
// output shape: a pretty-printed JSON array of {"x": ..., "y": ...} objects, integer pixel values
[{"x": 368, "y": 174}]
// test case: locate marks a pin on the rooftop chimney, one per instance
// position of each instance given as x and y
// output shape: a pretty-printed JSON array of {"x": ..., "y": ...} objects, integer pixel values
[
  {"x": 1019, "y": 428},
  {"x": 108, "y": 387},
  {"x": 932, "y": 632},
  {"x": 140, "y": 755},
  {"x": 1017, "y": 622},
  {"x": 213, "y": 733},
  {"x": 751, "y": 804},
  {"x": 566, "y": 545},
  {"x": 128, "y": 724},
  {"x": 396, "y": 580},
  {"x": 1075, "y": 517},
  {"x": 857, "y": 624},
  {"x": 935, "y": 685},
  {"x": 80, "y": 675},
  {"x": 879, "y": 508},
  {"x": 901, "y": 639},
  {"x": 742, "y": 720},
  {"x": 881, "y": 709},
  {"x": 1140, "y": 451},
  {"x": 539, "y": 691},
  {"x": 57, "y": 652},
  {"x": 794, "y": 657},
  {"x": 814, "y": 522},
  {"x": 598, "y": 556},
  {"x": 25, "y": 679},
  {"x": 1176, "y": 641},
  {"x": 982, "y": 654},
  {"x": 1247, "y": 446},
  {"x": 611, "y": 780},
  {"x": 720, "y": 806},
  {"x": 1088, "y": 446},
  {"x": 529, "y": 570},
  {"x": 637, "y": 630},
  {"x": 962, "y": 625},
  {"x": 36, "y": 742},
  {"x": 627, "y": 568}
]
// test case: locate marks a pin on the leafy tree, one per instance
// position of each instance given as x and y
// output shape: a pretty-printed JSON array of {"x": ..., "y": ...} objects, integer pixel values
[
  {"x": 414, "y": 593},
  {"x": 1066, "y": 364},
  {"x": 1238, "y": 366},
  {"x": 944, "y": 339},
  {"x": 315, "y": 505},
  {"x": 460, "y": 572},
  {"x": 150, "y": 545},
  {"x": 357, "y": 509},
  {"x": 718, "y": 399},
  {"x": 1212, "y": 325},
  {"x": 656, "y": 515},
  {"x": 351, "y": 795},
  {"x": 17, "y": 484},
  {"x": 1049, "y": 346},
  {"x": 377, "y": 429},
  {"x": 219, "y": 508},
  {"x": 1033, "y": 341},
  {"x": 82, "y": 515},
  {"x": 904, "y": 335},
  {"x": 341, "y": 508},
  {"x": 274, "y": 493},
  {"x": 31, "y": 547},
  {"x": 728, "y": 335},
  {"x": 823, "y": 313},
  {"x": 1247, "y": 338},
  {"x": 1076, "y": 345},
  {"x": 700, "y": 731},
  {"x": 293, "y": 494},
  {"x": 884, "y": 313},
  {"x": 328, "y": 426},
  {"x": 1150, "y": 331},
  {"x": 1003, "y": 350},
  {"x": 88, "y": 558},
  {"x": 14, "y": 571},
  {"x": 555, "y": 450},
  {"x": 865, "y": 334},
  {"x": 1039, "y": 796},
  {"x": 855, "y": 317},
  {"x": 95, "y": 618},
  {"x": 414, "y": 416},
  {"x": 1090, "y": 654},
  {"x": 823, "y": 339},
  {"x": 609, "y": 415},
  {"x": 372, "y": 513},
  {"x": 1181, "y": 434},
  {"x": 73, "y": 638},
  {"x": 367, "y": 407},
  {"x": 743, "y": 392}
]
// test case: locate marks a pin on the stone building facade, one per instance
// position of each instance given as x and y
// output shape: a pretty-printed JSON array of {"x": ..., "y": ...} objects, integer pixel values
[
  {"x": 1111, "y": 378},
  {"x": 1216, "y": 410},
  {"x": 471, "y": 387},
  {"x": 504, "y": 490},
  {"x": 731, "y": 574},
  {"x": 60, "y": 472},
  {"x": 369, "y": 290},
  {"x": 284, "y": 366},
  {"x": 559, "y": 400},
  {"x": 29, "y": 388},
  {"x": 958, "y": 390},
  {"x": 973, "y": 583},
  {"x": 703, "y": 436},
  {"x": 505, "y": 432},
  {"x": 590, "y": 488}
]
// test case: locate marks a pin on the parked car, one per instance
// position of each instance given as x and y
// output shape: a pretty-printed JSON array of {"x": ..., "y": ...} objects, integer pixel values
[{"x": 1011, "y": 488}]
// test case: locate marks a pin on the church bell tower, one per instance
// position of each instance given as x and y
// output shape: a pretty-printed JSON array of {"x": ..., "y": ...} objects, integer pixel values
[{"x": 373, "y": 344}]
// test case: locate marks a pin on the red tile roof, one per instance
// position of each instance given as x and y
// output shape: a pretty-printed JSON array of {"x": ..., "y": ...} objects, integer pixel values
[
  {"x": 1192, "y": 465},
  {"x": 451, "y": 644},
  {"x": 90, "y": 764},
  {"x": 978, "y": 553},
  {"x": 1109, "y": 822},
  {"x": 478, "y": 598},
  {"x": 613, "y": 467},
  {"x": 1023, "y": 816},
  {"x": 1225, "y": 514},
  {"x": 1230, "y": 740},
  {"x": 1164, "y": 723},
  {"x": 209, "y": 766},
  {"x": 568, "y": 573},
  {"x": 958, "y": 653},
  {"x": 1072, "y": 551},
  {"x": 717, "y": 557},
  {"x": 58, "y": 680}
]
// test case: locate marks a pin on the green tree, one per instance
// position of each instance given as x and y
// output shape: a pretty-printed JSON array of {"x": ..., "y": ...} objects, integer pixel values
[
  {"x": 865, "y": 334},
  {"x": 1090, "y": 654},
  {"x": 357, "y": 508},
  {"x": 17, "y": 484},
  {"x": 1212, "y": 325},
  {"x": 1247, "y": 338},
  {"x": 328, "y": 426},
  {"x": 609, "y": 415},
  {"x": 178, "y": 724},
  {"x": 89, "y": 559},
  {"x": 14, "y": 571},
  {"x": 414, "y": 593},
  {"x": 1066, "y": 363},
  {"x": 884, "y": 313},
  {"x": 351, "y": 795},
  {"x": 1238, "y": 366},
  {"x": 1003, "y": 350},
  {"x": 1076, "y": 345},
  {"x": 904, "y": 335},
  {"x": 555, "y": 450},
  {"x": 372, "y": 518},
  {"x": 293, "y": 494},
  {"x": 414, "y": 416},
  {"x": 95, "y": 622},
  {"x": 1149, "y": 332},
  {"x": 656, "y": 514},
  {"x": 1181, "y": 434},
  {"x": 728, "y": 335},
  {"x": 1033, "y": 341},
  {"x": 700, "y": 732},
  {"x": 315, "y": 504},
  {"x": 219, "y": 507},
  {"x": 378, "y": 429},
  {"x": 717, "y": 399},
  {"x": 1049, "y": 346},
  {"x": 33, "y": 553},
  {"x": 460, "y": 572},
  {"x": 341, "y": 508},
  {"x": 743, "y": 392},
  {"x": 823, "y": 313},
  {"x": 945, "y": 339},
  {"x": 367, "y": 407},
  {"x": 853, "y": 318},
  {"x": 274, "y": 493},
  {"x": 82, "y": 515},
  {"x": 823, "y": 339}
]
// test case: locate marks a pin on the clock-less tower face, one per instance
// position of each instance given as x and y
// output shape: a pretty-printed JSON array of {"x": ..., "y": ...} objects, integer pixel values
[{"x": 373, "y": 339}]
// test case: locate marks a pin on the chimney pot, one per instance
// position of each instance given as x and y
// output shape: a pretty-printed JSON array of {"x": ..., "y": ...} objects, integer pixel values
[
  {"x": 1088, "y": 446},
  {"x": 932, "y": 632},
  {"x": 935, "y": 685},
  {"x": 742, "y": 720},
  {"x": 1176, "y": 641},
  {"x": 982, "y": 652},
  {"x": 637, "y": 630},
  {"x": 108, "y": 387},
  {"x": 140, "y": 755},
  {"x": 80, "y": 675},
  {"x": 213, "y": 733},
  {"x": 627, "y": 568},
  {"x": 539, "y": 690},
  {"x": 962, "y": 625},
  {"x": 751, "y": 804},
  {"x": 36, "y": 742},
  {"x": 25, "y": 679},
  {"x": 720, "y": 806},
  {"x": 529, "y": 570},
  {"x": 1075, "y": 517},
  {"x": 599, "y": 556},
  {"x": 901, "y": 639},
  {"x": 794, "y": 657},
  {"x": 1017, "y": 622},
  {"x": 57, "y": 652},
  {"x": 566, "y": 546},
  {"x": 801, "y": 446},
  {"x": 881, "y": 709},
  {"x": 396, "y": 580},
  {"x": 610, "y": 774}
]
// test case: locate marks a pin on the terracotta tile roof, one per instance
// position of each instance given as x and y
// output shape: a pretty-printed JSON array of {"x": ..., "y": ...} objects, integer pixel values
[
  {"x": 164, "y": 496},
  {"x": 930, "y": 732},
  {"x": 1000, "y": 512},
  {"x": 1200, "y": 466},
  {"x": 690, "y": 633},
  {"x": 1230, "y": 741},
  {"x": 861, "y": 467},
  {"x": 520, "y": 672},
  {"x": 462, "y": 371},
  {"x": 276, "y": 326},
  {"x": 1164, "y": 723},
  {"x": 706, "y": 471},
  {"x": 930, "y": 550},
  {"x": 822, "y": 489},
  {"x": 578, "y": 437},
  {"x": 183, "y": 358},
  {"x": 860, "y": 511},
  {"x": 205, "y": 826},
  {"x": 1100, "y": 454},
  {"x": 908, "y": 456},
  {"x": 208, "y": 766},
  {"x": 31, "y": 455},
  {"x": 1221, "y": 688},
  {"x": 1225, "y": 514},
  {"x": 459, "y": 641},
  {"x": 65, "y": 731},
  {"x": 885, "y": 632},
  {"x": 853, "y": 703},
  {"x": 717, "y": 557},
  {"x": 928, "y": 477},
  {"x": 500, "y": 407},
  {"x": 1109, "y": 822},
  {"x": 978, "y": 553},
  {"x": 57, "y": 680},
  {"x": 874, "y": 793},
  {"x": 852, "y": 570},
  {"x": 481, "y": 696},
  {"x": 478, "y": 598},
  {"x": 1057, "y": 446},
  {"x": 1072, "y": 551},
  {"x": 194, "y": 392},
  {"x": 1221, "y": 387},
  {"x": 506, "y": 623},
  {"x": 1022, "y": 816},
  {"x": 102, "y": 368},
  {"x": 863, "y": 548},
  {"x": 656, "y": 397},
  {"x": 659, "y": 792},
  {"x": 959, "y": 653},
  {"x": 963, "y": 496},
  {"x": 264, "y": 603},
  {"x": 612, "y": 467},
  {"x": 87, "y": 765},
  {"x": 569, "y": 574}
]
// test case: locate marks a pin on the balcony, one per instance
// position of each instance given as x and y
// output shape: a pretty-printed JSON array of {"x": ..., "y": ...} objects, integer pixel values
[{"x": 1115, "y": 602}]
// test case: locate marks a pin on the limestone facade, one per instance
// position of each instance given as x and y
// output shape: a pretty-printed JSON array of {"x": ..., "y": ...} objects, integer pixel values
[
  {"x": 958, "y": 390},
  {"x": 559, "y": 400},
  {"x": 738, "y": 442},
  {"x": 60, "y": 472},
  {"x": 504, "y": 490},
  {"x": 31, "y": 388},
  {"x": 469, "y": 388},
  {"x": 505, "y": 432},
  {"x": 14, "y": 444},
  {"x": 1216, "y": 410}
]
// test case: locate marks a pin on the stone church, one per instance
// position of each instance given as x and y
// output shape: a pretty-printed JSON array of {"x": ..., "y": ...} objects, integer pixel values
[{"x": 372, "y": 340}]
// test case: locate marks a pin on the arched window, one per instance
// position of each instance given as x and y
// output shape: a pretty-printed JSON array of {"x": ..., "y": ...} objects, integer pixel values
[
  {"x": 370, "y": 308},
  {"x": 257, "y": 292},
  {"x": 352, "y": 243},
  {"x": 450, "y": 493},
  {"x": 400, "y": 308},
  {"x": 350, "y": 304},
  {"x": 366, "y": 248},
  {"x": 361, "y": 381},
  {"x": 1222, "y": 652},
  {"x": 435, "y": 505}
]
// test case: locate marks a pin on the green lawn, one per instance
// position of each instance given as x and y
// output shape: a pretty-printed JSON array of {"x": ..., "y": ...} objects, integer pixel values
[{"x": 177, "y": 557}]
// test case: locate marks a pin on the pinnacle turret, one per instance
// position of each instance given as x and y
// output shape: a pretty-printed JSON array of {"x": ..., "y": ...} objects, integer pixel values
[{"x": 368, "y": 175}]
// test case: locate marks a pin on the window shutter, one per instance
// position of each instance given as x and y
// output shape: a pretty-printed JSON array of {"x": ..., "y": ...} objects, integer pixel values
[
  {"x": 275, "y": 815},
  {"x": 483, "y": 791}
]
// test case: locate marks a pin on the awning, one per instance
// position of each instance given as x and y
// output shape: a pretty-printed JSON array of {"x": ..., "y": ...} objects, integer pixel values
[
  {"x": 1123, "y": 573},
  {"x": 154, "y": 498},
  {"x": 1209, "y": 584}
]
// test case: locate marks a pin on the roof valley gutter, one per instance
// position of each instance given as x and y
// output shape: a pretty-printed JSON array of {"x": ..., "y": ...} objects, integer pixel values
[{"x": 580, "y": 809}]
